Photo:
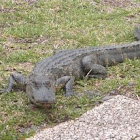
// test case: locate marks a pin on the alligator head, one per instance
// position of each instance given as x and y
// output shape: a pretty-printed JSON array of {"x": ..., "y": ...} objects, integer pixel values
[{"x": 40, "y": 89}]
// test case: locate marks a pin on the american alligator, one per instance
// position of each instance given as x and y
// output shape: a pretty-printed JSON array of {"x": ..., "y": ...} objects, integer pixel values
[{"x": 64, "y": 67}]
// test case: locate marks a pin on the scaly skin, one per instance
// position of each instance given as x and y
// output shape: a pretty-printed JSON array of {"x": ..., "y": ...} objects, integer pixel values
[{"x": 66, "y": 66}]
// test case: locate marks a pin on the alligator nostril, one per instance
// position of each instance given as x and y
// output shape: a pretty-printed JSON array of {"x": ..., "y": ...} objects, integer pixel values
[{"x": 33, "y": 97}]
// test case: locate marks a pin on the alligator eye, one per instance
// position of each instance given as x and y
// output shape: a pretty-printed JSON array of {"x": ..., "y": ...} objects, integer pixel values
[
  {"x": 48, "y": 84},
  {"x": 36, "y": 85}
]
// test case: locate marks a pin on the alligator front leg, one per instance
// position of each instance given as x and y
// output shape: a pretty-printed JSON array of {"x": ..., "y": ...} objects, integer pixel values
[
  {"x": 92, "y": 69},
  {"x": 18, "y": 78},
  {"x": 68, "y": 83}
]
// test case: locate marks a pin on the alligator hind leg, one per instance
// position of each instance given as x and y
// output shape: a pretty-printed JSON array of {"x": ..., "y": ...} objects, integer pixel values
[
  {"x": 97, "y": 71},
  {"x": 92, "y": 69},
  {"x": 18, "y": 78},
  {"x": 67, "y": 82}
]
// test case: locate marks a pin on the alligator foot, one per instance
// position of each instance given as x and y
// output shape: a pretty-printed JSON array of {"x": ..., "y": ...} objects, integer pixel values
[
  {"x": 93, "y": 70},
  {"x": 68, "y": 94},
  {"x": 18, "y": 78},
  {"x": 68, "y": 83},
  {"x": 4, "y": 91}
]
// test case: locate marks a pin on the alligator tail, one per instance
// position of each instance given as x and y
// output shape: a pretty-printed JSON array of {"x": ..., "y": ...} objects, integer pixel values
[{"x": 137, "y": 33}]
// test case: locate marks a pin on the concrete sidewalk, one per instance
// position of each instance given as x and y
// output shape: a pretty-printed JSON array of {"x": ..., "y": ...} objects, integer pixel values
[{"x": 115, "y": 119}]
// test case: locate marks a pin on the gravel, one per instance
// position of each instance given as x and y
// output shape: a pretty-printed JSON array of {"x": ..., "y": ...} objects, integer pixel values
[{"x": 115, "y": 119}]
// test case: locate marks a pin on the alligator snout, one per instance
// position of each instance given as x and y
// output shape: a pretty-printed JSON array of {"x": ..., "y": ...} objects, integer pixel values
[
  {"x": 45, "y": 98},
  {"x": 43, "y": 95}
]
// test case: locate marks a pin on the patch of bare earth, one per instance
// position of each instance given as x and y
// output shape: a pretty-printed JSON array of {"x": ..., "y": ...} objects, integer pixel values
[
  {"x": 39, "y": 40},
  {"x": 26, "y": 66},
  {"x": 22, "y": 2},
  {"x": 110, "y": 5},
  {"x": 7, "y": 10},
  {"x": 120, "y": 3},
  {"x": 127, "y": 91},
  {"x": 14, "y": 44}
]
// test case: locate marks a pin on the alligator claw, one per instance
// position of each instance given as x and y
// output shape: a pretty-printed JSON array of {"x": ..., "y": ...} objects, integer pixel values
[
  {"x": 69, "y": 94},
  {"x": 3, "y": 91}
]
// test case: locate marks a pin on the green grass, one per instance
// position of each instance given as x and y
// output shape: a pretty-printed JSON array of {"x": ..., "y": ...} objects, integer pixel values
[{"x": 29, "y": 32}]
